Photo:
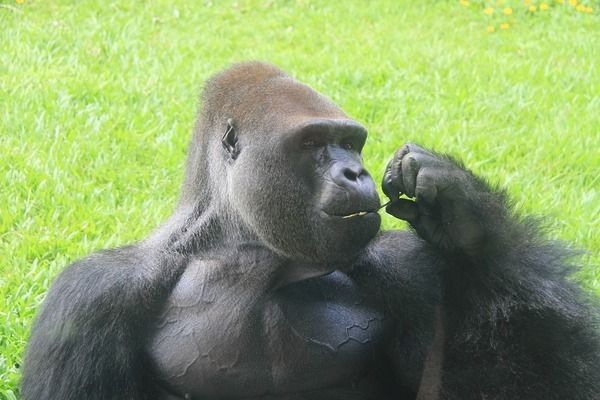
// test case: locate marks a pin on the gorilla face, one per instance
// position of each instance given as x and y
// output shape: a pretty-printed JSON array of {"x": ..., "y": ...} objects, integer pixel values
[
  {"x": 297, "y": 188},
  {"x": 283, "y": 164}
]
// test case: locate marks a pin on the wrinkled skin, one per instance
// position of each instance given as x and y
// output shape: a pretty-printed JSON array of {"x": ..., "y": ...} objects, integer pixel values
[{"x": 272, "y": 279}]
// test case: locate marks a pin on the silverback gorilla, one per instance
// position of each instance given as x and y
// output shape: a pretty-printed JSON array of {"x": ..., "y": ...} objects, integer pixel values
[{"x": 272, "y": 279}]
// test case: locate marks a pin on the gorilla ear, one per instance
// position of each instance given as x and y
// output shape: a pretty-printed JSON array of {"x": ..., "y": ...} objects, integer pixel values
[{"x": 230, "y": 140}]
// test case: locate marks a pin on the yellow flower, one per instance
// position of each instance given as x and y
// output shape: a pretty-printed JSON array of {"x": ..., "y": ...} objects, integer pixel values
[
  {"x": 527, "y": 2},
  {"x": 20, "y": 1},
  {"x": 589, "y": 10},
  {"x": 507, "y": 11},
  {"x": 488, "y": 11},
  {"x": 532, "y": 8},
  {"x": 543, "y": 7},
  {"x": 499, "y": 2},
  {"x": 490, "y": 29},
  {"x": 573, "y": 2},
  {"x": 465, "y": 3},
  {"x": 504, "y": 26},
  {"x": 581, "y": 8}
]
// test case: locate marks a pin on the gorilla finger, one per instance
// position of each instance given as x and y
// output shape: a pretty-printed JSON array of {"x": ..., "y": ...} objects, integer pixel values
[
  {"x": 403, "y": 209},
  {"x": 402, "y": 151},
  {"x": 410, "y": 169},
  {"x": 426, "y": 190},
  {"x": 415, "y": 148},
  {"x": 388, "y": 186},
  {"x": 393, "y": 183},
  {"x": 396, "y": 174}
]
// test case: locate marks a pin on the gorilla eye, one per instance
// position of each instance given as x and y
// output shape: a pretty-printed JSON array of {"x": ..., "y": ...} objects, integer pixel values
[{"x": 348, "y": 146}]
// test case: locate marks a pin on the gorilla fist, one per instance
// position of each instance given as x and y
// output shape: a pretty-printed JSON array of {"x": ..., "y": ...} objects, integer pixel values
[{"x": 445, "y": 210}]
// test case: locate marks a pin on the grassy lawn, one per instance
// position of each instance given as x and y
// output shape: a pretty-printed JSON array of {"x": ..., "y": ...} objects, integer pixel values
[{"x": 97, "y": 101}]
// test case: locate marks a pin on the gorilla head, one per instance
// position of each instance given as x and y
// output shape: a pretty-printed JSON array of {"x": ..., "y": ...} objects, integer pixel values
[{"x": 280, "y": 164}]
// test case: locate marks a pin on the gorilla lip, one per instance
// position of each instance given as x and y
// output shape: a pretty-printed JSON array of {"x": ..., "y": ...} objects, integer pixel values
[{"x": 361, "y": 213}]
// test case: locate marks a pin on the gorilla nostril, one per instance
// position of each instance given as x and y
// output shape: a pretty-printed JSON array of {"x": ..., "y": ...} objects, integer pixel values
[{"x": 350, "y": 175}]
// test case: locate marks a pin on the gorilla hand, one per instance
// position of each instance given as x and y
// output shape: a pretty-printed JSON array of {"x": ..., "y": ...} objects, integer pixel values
[{"x": 447, "y": 210}]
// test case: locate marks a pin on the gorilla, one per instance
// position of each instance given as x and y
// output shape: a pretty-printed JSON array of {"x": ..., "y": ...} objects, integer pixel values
[{"x": 272, "y": 279}]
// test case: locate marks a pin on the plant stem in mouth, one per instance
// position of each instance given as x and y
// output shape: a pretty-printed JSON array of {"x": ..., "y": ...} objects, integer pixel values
[{"x": 361, "y": 213}]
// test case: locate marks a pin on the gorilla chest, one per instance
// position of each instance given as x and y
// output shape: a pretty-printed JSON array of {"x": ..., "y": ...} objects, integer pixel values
[{"x": 319, "y": 333}]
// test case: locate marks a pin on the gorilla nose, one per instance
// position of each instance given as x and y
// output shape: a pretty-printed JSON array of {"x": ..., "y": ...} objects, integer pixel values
[
  {"x": 348, "y": 176},
  {"x": 351, "y": 174}
]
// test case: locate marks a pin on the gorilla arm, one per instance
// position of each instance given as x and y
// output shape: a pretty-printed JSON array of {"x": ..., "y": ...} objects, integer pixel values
[
  {"x": 89, "y": 337},
  {"x": 515, "y": 326},
  {"x": 400, "y": 270}
]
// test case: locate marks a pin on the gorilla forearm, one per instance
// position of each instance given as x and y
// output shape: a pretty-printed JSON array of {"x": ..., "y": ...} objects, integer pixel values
[
  {"x": 516, "y": 327},
  {"x": 512, "y": 267}
]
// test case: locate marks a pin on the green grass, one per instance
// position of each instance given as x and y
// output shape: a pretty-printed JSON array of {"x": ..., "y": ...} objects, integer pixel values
[{"x": 97, "y": 101}]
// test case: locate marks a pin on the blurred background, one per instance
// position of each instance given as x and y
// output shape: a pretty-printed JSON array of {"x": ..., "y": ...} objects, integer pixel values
[{"x": 98, "y": 100}]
